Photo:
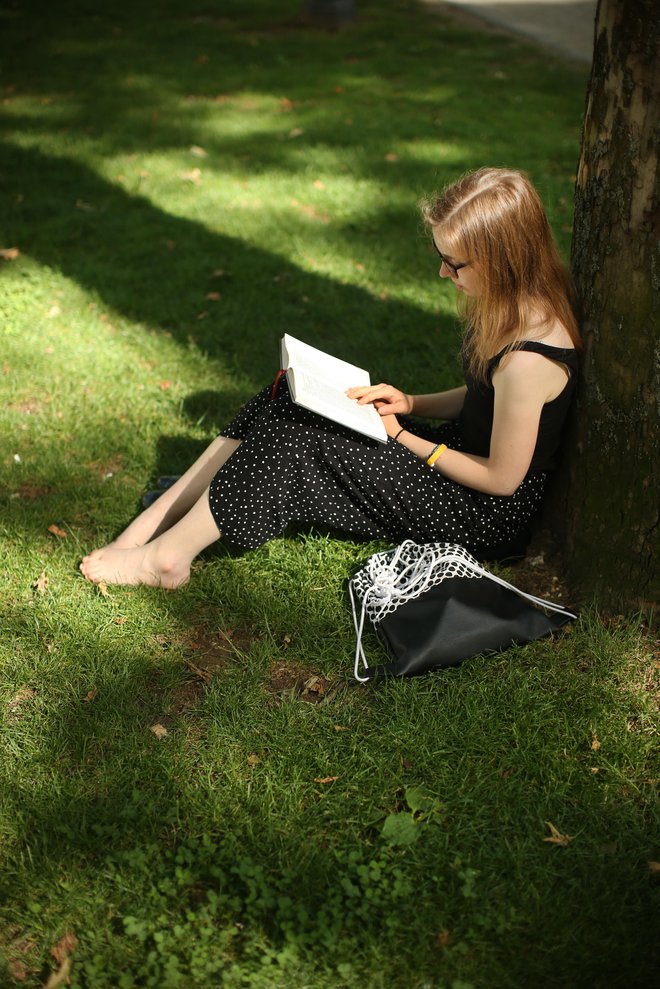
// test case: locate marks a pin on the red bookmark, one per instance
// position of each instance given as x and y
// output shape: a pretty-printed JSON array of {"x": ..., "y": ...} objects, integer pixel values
[{"x": 276, "y": 383}]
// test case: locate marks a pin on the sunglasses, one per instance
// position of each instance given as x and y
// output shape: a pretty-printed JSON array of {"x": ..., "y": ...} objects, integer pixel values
[{"x": 454, "y": 268}]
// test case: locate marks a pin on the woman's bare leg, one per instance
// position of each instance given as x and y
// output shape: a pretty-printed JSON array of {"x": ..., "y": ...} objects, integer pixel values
[
  {"x": 173, "y": 504},
  {"x": 162, "y": 562}
]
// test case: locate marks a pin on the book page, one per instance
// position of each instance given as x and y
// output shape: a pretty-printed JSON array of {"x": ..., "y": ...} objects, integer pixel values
[
  {"x": 295, "y": 353},
  {"x": 319, "y": 396}
]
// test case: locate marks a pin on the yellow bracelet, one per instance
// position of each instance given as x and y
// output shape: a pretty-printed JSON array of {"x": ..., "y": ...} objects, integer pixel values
[{"x": 436, "y": 452}]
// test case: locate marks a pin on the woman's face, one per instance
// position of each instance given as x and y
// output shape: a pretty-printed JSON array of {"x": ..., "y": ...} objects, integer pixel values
[{"x": 459, "y": 269}]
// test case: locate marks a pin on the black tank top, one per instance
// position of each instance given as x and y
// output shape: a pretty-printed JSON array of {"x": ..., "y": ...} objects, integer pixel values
[{"x": 476, "y": 418}]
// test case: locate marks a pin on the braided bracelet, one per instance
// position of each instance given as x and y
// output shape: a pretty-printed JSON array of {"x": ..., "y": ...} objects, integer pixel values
[{"x": 436, "y": 452}]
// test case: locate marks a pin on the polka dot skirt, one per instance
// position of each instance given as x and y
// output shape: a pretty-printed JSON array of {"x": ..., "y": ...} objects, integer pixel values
[{"x": 295, "y": 467}]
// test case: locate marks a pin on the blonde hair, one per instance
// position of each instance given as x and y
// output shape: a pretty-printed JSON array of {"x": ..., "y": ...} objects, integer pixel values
[{"x": 494, "y": 219}]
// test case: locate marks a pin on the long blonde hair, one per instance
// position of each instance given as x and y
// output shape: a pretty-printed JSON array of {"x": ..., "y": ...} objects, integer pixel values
[{"x": 494, "y": 219}]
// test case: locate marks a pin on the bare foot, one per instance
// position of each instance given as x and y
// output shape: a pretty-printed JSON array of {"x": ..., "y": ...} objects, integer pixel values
[
  {"x": 137, "y": 533},
  {"x": 134, "y": 566}
]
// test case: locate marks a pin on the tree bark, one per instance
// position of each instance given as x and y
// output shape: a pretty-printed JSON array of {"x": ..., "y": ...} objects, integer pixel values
[{"x": 610, "y": 491}]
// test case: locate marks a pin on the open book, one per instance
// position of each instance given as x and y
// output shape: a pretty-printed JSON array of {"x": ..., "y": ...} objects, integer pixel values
[{"x": 318, "y": 382}]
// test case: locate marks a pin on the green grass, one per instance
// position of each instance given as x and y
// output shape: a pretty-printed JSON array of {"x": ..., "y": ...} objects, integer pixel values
[{"x": 212, "y": 856}]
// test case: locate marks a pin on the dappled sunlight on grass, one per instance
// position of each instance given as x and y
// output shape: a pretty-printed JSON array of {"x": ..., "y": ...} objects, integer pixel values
[{"x": 191, "y": 782}]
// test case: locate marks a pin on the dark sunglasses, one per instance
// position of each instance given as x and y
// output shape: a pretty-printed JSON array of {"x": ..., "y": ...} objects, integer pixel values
[{"x": 454, "y": 268}]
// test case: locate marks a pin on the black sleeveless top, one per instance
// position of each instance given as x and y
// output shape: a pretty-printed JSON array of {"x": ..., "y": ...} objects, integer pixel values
[{"x": 476, "y": 418}]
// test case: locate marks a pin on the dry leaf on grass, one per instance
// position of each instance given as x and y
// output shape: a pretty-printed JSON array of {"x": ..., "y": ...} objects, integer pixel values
[
  {"x": 61, "y": 952},
  {"x": 90, "y": 695},
  {"x": 556, "y": 837},
  {"x": 64, "y": 947},
  {"x": 40, "y": 585},
  {"x": 595, "y": 744},
  {"x": 326, "y": 779},
  {"x": 102, "y": 588},
  {"x": 160, "y": 731},
  {"x": 18, "y": 701},
  {"x": 9, "y": 253},
  {"x": 253, "y": 759},
  {"x": 654, "y": 867},
  {"x": 56, "y": 531}
]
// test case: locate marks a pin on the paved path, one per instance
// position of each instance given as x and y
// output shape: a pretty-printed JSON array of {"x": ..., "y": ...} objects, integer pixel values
[{"x": 566, "y": 26}]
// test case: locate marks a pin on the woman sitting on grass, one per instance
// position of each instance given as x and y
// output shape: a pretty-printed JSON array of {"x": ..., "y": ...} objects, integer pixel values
[{"x": 476, "y": 480}]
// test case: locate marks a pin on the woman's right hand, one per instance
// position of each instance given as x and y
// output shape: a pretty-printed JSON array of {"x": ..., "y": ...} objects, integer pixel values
[{"x": 387, "y": 399}]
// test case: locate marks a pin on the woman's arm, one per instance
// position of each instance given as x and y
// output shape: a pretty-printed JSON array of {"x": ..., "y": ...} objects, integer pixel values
[
  {"x": 440, "y": 405},
  {"x": 522, "y": 387},
  {"x": 391, "y": 401}
]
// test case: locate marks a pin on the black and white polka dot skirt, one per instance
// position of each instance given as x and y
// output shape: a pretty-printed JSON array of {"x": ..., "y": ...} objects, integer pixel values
[{"x": 294, "y": 467}]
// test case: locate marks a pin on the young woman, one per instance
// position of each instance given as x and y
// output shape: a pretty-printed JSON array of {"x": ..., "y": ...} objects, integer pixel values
[{"x": 476, "y": 480}]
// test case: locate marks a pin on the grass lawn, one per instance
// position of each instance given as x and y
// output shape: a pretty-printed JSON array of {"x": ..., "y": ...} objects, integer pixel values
[{"x": 194, "y": 792}]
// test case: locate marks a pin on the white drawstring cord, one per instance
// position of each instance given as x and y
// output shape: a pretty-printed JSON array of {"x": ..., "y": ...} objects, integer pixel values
[{"x": 386, "y": 589}]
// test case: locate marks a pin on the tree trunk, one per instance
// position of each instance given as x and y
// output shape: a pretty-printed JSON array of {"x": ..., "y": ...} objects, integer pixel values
[{"x": 610, "y": 484}]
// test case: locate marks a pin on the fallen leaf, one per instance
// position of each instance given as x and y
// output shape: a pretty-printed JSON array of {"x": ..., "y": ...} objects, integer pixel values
[
  {"x": 64, "y": 947},
  {"x": 326, "y": 779},
  {"x": 90, "y": 695},
  {"x": 296, "y": 132},
  {"x": 56, "y": 531},
  {"x": 161, "y": 639},
  {"x": 87, "y": 207},
  {"x": 213, "y": 296},
  {"x": 160, "y": 731},
  {"x": 595, "y": 744},
  {"x": 391, "y": 156},
  {"x": 199, "y": 672},
  {"x": 17, "y": 969},
  {"x": 40, "y": 585},
  {"x": 102, "y": 588},
  {"x": 194, "y": 176},
  {"x": 556, "y": 837},
  {"x": 20, "y": 698},
  {"x": 442, "y": 939},
  {"x": 202, "y": 315},
  {"x": 253, "y": 759},
  {"x": 9, "y": 253},
  {"x": 119, "y": 620},
  {"x": 654, "y": 867},
  {"x": 319, "y": 185},
  {"x": 197, "y": 152},
  {"x": 164, "y": 385},
  {"x": 341, "y": 728}
]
